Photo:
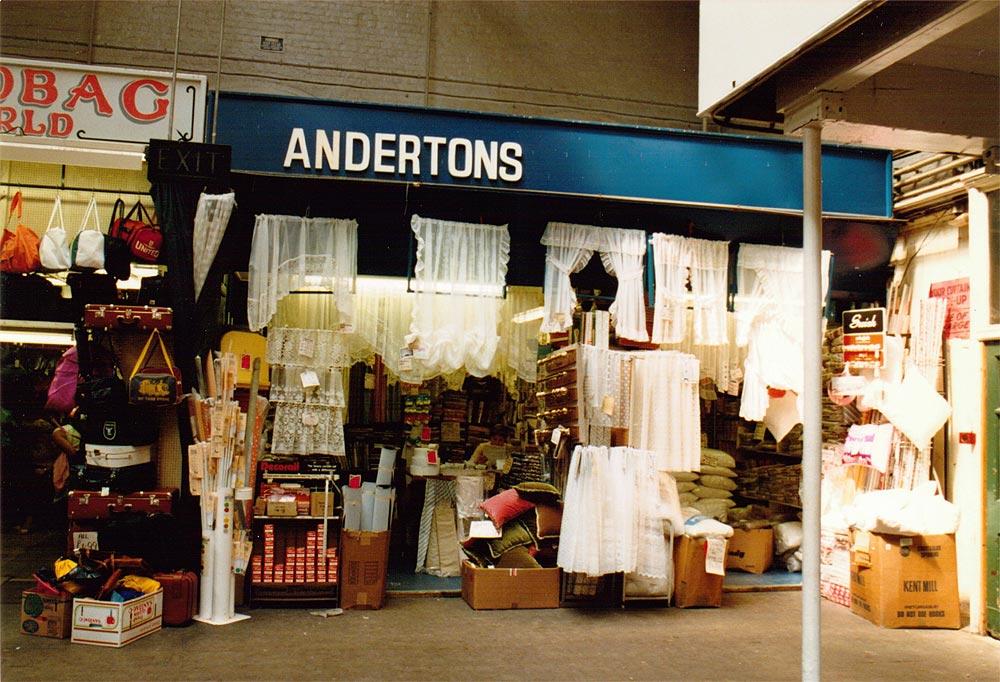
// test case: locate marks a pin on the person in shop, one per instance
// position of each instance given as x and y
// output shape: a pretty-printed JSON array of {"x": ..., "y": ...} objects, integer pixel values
[{"x": 493, "y": 453}]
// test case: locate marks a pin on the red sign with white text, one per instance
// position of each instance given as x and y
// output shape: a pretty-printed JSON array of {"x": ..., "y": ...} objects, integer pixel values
[{"x": 956, "y": 291}]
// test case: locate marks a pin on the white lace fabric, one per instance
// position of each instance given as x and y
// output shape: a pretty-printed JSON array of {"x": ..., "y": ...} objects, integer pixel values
[
  {"x": 769, "y": 316},
  {"x": 307, "y": 347},
  {"x": 569, "y": 248},
  {"x": 666, "y": 416},
  {"x": 289, "y": 254},
  {"x": 705, "y": 263},
  {"x": 287, "y": 386},
  {"x": 307, "y": 430},
  {"x": 459, "y": 276},
  {"x": 210, "y": 221},
  {"x": 604, "y": 397}
]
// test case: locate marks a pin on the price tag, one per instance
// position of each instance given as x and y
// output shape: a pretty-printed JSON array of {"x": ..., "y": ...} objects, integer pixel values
[
  {"x": 309, "y": 379},
  {"x": 105, "y": 491},
  {"x": 307, "y": 346},
  {"x": 245, "y": 361},
  {"x": 557, "y": 434},
  {"x": 354, "y": 481},
  {"x": 715, "y": 556},
  {"x": 689, "y": 373},
  {"x": 405, "y": 360},
  {"x": 346, "y": 329},
  {"x": 608, "y": 406},
  {"x": 85, "y": 540},
  {"x": 369, "y": 382},
  {"x": 432, "y": 457}
]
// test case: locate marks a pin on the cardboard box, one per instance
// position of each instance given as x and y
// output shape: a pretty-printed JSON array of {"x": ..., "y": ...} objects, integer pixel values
[
  {"x": 693, "y": 585},
  {"x": 751, "y": 550},
  {"x": 510, "y": 588},
  {"x": 905, "y": 582},
  {"x": 366, "y": 560},
  {"x": 44, "y": 615},
  {"x": 316, "y": 506},
  {"x": 115, "y": 624},
  {"x": 282, "y": 509}
]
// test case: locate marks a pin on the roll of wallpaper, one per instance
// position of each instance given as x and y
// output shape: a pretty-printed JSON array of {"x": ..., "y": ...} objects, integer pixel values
[
  {"x": 386, "y": 462},
  {"x": 352, "y": 508},
  {"x": 367, "y": 506}
]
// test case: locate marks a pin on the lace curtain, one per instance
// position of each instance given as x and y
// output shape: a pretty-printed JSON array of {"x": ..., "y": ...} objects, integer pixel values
[
  {"x": 289, "y": 253},
  {"x": 665, "y": 413},
  {"x": 517, "y": 354},
  {"x": 210, "y": 221},
  {"x": 705, "y": 263},
  {"x": 769, "y": 317},
  {"x": 569, "y": 248},
  {"x": 458, "y": 278}
]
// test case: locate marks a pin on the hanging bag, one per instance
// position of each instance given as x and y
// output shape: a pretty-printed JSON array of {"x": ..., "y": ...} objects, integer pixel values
[
  {"x": 103, "y": 389},
  {"x": 53, "y": 250},
  {"x": 146, "y": 239},
  {"x": 117, "y": 256},
  {"x": 156, "y": 385},
  {"x": 19, "y": 248},
  {"x": 87, "y": 251}
]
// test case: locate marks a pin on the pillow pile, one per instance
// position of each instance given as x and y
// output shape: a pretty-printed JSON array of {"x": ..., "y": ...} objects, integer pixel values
[
  {"x": 711, "y": 490},
  {"x": 528, "y": 517}
]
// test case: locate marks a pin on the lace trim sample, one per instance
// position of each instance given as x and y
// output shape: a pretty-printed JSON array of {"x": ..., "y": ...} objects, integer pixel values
[
  {"x": 307, "y": 347},
  {"x": 288, "y": 385},
  {"x": 307, "y": 430}
]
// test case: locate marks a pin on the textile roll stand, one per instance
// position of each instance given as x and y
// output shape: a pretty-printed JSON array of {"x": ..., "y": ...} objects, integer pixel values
[{"x": 218, "y": 462}]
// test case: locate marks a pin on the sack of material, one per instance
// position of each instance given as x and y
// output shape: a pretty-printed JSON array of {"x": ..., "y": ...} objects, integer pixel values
[
  {"x": 154, "y": 386},
  {"x": 53, "y": 250},
  {"x": 709, "y": 470},
  {"x": 718, "y": 482},
  {"x": 18, "y": 248},
  {"x": 87, "y": 251},
  {"x": 708, "y": 493},
  {"x": 717, "y": 458}
]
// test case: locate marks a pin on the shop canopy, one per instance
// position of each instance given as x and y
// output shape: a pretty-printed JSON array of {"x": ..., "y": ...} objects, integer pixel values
[{"x": 291, "y": 136}]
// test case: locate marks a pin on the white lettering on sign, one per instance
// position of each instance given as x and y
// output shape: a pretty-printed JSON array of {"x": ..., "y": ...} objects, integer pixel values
[
  {"x": 404, "y": 153},
  {"x": 861, "y": 322}
]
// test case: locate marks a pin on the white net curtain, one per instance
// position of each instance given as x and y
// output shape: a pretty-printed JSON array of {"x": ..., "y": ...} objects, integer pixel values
[
  {"x": 289, "y": 253},
  {"x": 569, "y": 248},
  {"x": 458, "y": 281}
]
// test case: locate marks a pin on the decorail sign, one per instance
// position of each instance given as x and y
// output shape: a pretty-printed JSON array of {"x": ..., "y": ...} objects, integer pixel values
[
  {"x": 90, "y": 106},
  {"x": 864, "y": 338}
]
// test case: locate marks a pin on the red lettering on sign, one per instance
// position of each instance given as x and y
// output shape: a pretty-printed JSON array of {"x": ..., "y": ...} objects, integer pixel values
[
  {"x": 37, "y": 81},
  {"x": 60, "y": 125},
  {"x": 8, "y": 115},
  {"x": 88, "y": 90},
  {"x": 29, "y": 124},
  {"x": 6, "y": 82},
  {"x": 131, "y": 108}
]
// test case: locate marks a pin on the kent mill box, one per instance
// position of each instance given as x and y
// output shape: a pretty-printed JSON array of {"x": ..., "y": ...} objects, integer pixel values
[
  {"x": 510, "y": 588},
  {"x": 905, "y": 582},
  {"x": 751, "y": 550}
]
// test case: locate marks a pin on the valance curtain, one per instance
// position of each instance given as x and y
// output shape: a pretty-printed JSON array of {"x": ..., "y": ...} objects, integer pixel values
[
  {"x": 704, "y": 264},
  {"x": 289, "y": 254},
  {"x": 458, "y": 280},
  {"x": 569, "y": 248},
  {"x": 769, "y": 317}
]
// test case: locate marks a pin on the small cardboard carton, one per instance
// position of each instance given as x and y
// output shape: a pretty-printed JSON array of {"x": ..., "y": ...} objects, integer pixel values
[
  {"x": 322, "y": 504},
  {"x": 366, "y": 566},
  {"x": 751, "y": 550},
  {"x": 510, "y": 588},
  {"x": 46, "y": 615},
  {"x": 693, "y": 584},
  {"x": 115, "y": 624},
  {"x": 905, "y": 582},
  {"x": 278, "y": 508}
]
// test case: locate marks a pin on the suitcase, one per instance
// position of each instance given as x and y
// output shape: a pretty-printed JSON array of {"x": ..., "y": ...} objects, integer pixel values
[
  {"x": 127, "y": 317},
  {"x": 116, "y": 456},
  {"x": 90, "y": 504},
  {"x": 121, "y": 481},
  {"x": 246, "y": 346},
  {"x": 180, "y": 596}
]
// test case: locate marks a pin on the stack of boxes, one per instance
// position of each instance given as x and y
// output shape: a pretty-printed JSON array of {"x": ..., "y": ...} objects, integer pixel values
[{"x": 295, "y": 555}]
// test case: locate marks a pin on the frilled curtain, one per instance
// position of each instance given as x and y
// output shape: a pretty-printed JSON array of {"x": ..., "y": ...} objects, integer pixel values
[
  {"x": 568, "y": 249},
  {"x": 458, "y": 280},
  {"x": 289, "y": 254},
  {"x": 703, "y": 263}
]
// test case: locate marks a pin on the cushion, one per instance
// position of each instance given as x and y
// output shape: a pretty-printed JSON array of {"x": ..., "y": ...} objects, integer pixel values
[
  {"x": 478, "y": 552},
  {"x": 505, "y": 507},
  {"x": 517, "y": 557},
  {"x": 720, "y": 482},
  {"x": 703, "y": 492},
  {"x": 548, "y": 520},
  {"x": 717, "y": 471},
  {"x": 685, "y": 487},
  {"x": 538, "y": 492},
  {"x": 717, "y": 458},
  {"x": 514, "y": 535}
]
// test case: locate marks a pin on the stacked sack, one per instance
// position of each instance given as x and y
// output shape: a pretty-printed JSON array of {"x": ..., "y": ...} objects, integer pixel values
[
  {"x": 528, "y": 517},
  {"x": 711, "y": 490}
]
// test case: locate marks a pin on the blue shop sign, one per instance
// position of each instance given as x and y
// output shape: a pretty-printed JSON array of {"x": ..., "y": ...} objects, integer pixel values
[{"x": 317, "y": 138}]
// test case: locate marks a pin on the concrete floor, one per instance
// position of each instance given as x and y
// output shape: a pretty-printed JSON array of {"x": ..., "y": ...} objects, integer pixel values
[{"x": 754, "y": 636}]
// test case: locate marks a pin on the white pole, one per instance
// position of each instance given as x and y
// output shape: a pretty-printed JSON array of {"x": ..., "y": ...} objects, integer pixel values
[
  {"x": 222, "y": 556},
  {"x": 207, "y": 573},
  {"x": 812, "y": 272}
]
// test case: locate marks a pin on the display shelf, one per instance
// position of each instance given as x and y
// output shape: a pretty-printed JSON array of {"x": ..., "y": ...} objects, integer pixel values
[
  {"x": 270, "y": 475},
  {"x": 769, "y": 453},
  {"x": 288, "y": 592},
  {"x": 762, "y": 499},
  {"x": 297, "y": 518}
]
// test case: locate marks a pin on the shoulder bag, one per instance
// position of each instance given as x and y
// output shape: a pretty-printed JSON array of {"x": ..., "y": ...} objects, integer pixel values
[
  {"x": 117, "y": 257},
  {"x": 19, "y": 247},
  {"x": 87, "y": 251},
  {"x": 53, "y": 250},
  {"x": 156, "y": 385}
]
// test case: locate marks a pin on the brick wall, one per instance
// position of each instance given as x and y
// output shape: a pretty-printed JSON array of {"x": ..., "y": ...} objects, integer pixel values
[{"x": 630, "y": 62}]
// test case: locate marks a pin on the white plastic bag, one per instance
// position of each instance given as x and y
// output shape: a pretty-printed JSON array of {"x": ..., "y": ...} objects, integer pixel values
[
  {"x": 53, "y": 250},
  {"x": 88, "y": 247},
  {"x": 787, "y": 536},
  {"x": 914, "y": 407}
]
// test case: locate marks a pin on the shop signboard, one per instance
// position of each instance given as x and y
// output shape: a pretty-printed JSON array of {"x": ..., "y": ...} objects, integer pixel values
[
  {"x": 278, "y": 135},
  {"x": 96, "y": 107},
  {"x": 956, "y": 292},
  {"x": 864, "y": 338}
]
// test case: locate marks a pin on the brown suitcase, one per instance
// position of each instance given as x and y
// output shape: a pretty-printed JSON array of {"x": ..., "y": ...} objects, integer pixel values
[
  {"x": 127, "y": 317},
  {"x": 180, "y": 596},
  {"x": 91, "y": 504}
]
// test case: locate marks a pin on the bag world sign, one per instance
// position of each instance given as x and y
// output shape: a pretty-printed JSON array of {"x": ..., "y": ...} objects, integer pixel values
[{"x": 90, "y": 106}]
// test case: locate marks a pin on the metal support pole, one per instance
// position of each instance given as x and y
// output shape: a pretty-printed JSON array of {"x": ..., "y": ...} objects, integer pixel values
[{"x": 812, "y": 272}]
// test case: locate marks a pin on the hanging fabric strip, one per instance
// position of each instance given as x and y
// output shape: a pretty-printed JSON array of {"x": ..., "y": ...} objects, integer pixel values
[
  {"x": 666, "y": 415},
  {"x": 678, "y": 262},
  {"x": 210, "y": 222},
  {"x": 307, "y": 347},
  {"x": 289, "y": 254},
  {"x": 307, "y": 429},
  {"x": 298, "y": 384}
]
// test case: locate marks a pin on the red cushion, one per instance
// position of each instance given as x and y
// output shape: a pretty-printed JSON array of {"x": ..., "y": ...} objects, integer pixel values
[{"x": 505, "y": 507}]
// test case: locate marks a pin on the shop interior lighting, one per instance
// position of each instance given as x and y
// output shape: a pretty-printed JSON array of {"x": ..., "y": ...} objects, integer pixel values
[{"x": 30, "y": 332}]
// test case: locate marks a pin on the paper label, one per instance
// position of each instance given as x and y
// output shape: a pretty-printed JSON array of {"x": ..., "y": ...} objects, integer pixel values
[
  {"x": 689, "y": 373},
  {"x": 105, "y": 491},
  {"x": 369, "y": 382},
  {"x": 307, "y": 346},
  {"x": 483, "y": 529},
  {"x": 421, "y": 353},
  {"x": 715, "y": 556},
  {"x": 309, "y": 379},
  {"x": 245, "y": 361},
  {"x": 406, "y": 360},
  {"x": 354, "y": 481},
  {"x": 608, "y": 406},
  {"x": 556, "y": 436},
  {"x": 88, "y": 540},
  {"x": 346, "y": 329},
  {"x": 432, "y": 457}
]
